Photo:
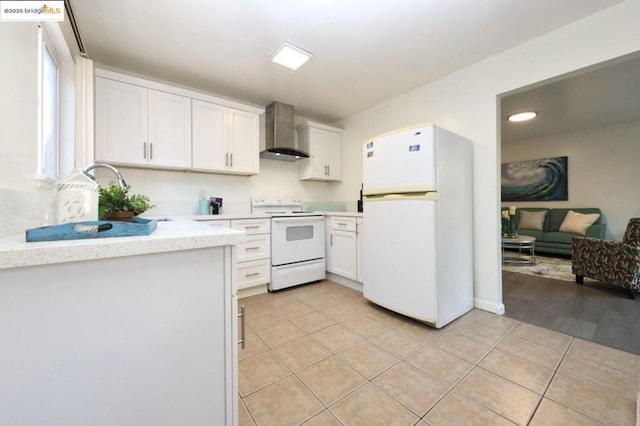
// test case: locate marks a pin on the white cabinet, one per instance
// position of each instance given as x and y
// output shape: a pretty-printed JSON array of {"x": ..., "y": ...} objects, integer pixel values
[
  {"x": 359, "y": 237},
  {"x": 254, "y": 254},
  {"x": 153, "y": 342},
  {"x": 323, "y": 143},
  {"x": 138, "y": 126},
  {"x": 342, "y": 247},
  {"x": 225, "y": 140}
]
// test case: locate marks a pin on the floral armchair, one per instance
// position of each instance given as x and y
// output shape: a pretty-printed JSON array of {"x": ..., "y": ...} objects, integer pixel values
[{"x": 610, "y": 262}]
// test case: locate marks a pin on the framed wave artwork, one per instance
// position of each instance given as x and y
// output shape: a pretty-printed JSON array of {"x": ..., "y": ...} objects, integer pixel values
[{"x": 545, "y": 179}]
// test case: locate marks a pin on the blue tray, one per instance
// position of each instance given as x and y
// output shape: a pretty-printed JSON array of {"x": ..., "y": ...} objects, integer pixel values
[{"x": 92, "y": 229}]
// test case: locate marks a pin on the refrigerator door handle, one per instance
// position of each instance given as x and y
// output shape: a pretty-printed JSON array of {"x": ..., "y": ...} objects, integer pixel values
[{"x": 401, "y": 197}]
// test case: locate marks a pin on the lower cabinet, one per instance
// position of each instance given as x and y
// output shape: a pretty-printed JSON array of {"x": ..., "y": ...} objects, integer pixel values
[
  {"x": 342, "y": 247},
  {"x": 139, "y": 340},
  {"x": 254, "y": 255}
]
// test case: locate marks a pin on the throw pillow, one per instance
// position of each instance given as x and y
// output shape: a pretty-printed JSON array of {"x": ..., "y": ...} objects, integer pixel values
[
  {"x": 578, "y": 223},
  {"x": 532, "y": 220}
]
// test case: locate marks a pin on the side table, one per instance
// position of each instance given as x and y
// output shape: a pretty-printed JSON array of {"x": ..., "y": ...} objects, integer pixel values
[{"x": 519, "y": 250}]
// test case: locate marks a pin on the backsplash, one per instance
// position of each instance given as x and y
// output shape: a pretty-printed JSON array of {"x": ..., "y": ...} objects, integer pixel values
[{"x": 21, "y": 210}]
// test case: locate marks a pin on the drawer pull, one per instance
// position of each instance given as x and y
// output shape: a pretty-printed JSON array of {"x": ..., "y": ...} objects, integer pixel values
[
  {"x": 243, "y": 317},
  {"x": 255, "y": 274},
  {"x": 252, "y": 227},
  {"x": 252, "y": 248},
  {"x": 341, "y": 223}
]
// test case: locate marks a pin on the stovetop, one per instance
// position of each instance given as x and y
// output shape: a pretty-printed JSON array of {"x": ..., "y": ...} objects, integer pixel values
[{"x": 294, "y": 214}]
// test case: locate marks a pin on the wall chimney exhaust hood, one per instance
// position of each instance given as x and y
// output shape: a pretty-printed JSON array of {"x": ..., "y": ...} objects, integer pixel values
[{"x": 279, "y": 134}]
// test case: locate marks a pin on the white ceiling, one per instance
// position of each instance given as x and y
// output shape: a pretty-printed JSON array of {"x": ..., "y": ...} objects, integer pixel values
[
  {"x": 366, "y": 51},
  {"x": 603, "y": 96}
]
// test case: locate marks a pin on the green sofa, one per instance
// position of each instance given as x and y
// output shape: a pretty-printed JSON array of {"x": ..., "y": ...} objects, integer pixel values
[{"x": 550, "y": 239}]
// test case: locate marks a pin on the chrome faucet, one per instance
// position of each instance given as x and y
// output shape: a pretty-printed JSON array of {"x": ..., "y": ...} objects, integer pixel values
[{"x": 115, "y": 171}]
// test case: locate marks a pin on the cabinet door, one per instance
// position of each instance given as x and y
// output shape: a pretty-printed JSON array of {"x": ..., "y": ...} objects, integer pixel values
[
  {"x": 359, "y": 237},
  {"x": 210, "y": 147},
  {"x": 244, "y": 142},
  {"x": 121, "y": 122},
  {"x": 318, "y": 163},
  {"x": 342, "y": 251},
  {"x": 333, "y": 156},
  {"x": 169, "y": 130}
]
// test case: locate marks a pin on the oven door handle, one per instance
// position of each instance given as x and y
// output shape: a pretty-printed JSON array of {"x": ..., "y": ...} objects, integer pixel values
[{"x": 297, "y": 219}]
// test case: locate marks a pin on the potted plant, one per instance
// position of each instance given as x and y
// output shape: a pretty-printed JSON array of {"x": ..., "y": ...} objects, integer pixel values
[{"x": 115, "y": 203}]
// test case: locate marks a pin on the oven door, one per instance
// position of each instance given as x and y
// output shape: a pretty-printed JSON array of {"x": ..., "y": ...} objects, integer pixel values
[{"x": 296, "y": 239}]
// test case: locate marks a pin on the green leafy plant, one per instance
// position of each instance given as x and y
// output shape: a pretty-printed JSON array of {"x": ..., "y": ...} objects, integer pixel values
[{"x": 114, "y": 199}]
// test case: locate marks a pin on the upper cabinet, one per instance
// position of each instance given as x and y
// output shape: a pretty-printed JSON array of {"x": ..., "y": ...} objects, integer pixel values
[
  {"x": 323, "y": 143},
  {"x": 225, "y": 139},
  {"x": 142, "y": 123},
  {"x": 141, "y": 127}
]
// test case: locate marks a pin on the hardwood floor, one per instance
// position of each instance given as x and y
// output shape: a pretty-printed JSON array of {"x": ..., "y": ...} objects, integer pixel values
[{"x": 601, "y": 314}]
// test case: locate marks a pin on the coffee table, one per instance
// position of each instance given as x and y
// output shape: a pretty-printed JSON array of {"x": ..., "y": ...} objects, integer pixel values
[{"x": 519, "y": 250}]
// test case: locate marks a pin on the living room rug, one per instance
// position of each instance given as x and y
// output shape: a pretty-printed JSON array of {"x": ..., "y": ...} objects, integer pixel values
[{"x": 549, "y": 267}]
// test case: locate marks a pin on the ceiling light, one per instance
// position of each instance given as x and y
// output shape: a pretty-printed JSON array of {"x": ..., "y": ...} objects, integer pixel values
[
  {"x": 290, "y": 56},
  {"x": 523, "y": 116}
]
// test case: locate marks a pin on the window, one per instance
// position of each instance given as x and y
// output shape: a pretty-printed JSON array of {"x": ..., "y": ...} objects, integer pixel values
[
  {"x": 49, "y": 102},
  {"x": 56, "y": 105}
]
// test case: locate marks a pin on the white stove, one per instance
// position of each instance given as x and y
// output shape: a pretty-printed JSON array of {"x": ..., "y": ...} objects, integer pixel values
[{"x": 297, "y": 241}]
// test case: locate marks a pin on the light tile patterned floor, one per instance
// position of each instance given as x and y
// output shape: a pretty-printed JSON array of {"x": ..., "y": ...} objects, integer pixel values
[{"x": 320, "y": 354}]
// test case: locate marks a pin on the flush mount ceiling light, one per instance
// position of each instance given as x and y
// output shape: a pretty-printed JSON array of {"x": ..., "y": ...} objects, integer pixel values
[
  {"x": 523, "y": 116},
  {"x": 290, "y": 56}
]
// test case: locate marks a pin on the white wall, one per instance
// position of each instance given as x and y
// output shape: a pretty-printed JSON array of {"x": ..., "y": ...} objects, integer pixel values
[
  {"x": 177, "y": 192},
  {"x": 18, "y": 105},
  {"x": 603, "y": 168},
  {"x": 466, "y": 102}
]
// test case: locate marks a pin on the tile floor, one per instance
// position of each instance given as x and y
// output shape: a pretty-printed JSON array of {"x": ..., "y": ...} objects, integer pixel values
[{"x": 320, "y": 354}]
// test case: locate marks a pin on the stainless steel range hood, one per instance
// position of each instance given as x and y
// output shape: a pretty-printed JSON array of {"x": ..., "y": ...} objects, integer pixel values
[{"x": 279, "y": 134}]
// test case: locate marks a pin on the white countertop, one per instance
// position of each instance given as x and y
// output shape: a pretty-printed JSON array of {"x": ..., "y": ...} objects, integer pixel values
[
  {"x": 169, "y": 236},
  {"x": 344, "y": 214},
  {"x": 210, "y": 217}
]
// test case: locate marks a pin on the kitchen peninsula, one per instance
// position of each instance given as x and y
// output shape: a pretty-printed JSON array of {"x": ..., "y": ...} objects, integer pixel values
[{"x": 131, "y": 330}]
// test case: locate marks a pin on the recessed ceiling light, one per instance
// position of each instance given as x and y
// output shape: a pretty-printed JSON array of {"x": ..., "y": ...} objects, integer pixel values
[
  {"x": 290, "y": 56},
  {"x": 523, "y": 116}
]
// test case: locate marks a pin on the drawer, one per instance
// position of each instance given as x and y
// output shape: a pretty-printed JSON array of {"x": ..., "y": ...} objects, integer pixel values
[
  {"x": 254, "y": 247},
  {"x": 343, "y": 223},
  {"x": 253, "y": 273},
  {"x": 252, "y": 226}
]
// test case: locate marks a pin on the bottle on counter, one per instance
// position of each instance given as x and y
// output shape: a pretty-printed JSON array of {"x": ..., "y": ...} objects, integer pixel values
[{"x": 203, "y": 206}]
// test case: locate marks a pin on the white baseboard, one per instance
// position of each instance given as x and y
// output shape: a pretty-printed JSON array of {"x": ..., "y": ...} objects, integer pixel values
[
  {"x": 488, "y": 306},
  {"x": 355, "y": 285}
]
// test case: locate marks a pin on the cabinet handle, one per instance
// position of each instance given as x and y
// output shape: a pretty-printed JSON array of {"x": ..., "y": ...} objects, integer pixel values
[
  {"x": 231, "y": 159},
  {"x": 252, "y": 227},
  {"x": 151, "y": 151},
  {"x": 255, "y": 274},
  {"x": 243, "y": 317},
  {"x": 144, "y": 150},
  {"x": 328, "y": 170},
  {"x": 331, "y": 240},
  {"x": 341, "y": 223},
  {"x": 252, "y": 248},
  {"x": 226, "y": 159}
]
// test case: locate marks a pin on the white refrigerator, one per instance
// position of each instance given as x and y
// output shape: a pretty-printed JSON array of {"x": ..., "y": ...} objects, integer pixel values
[{"x": 418, "y": 249}]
